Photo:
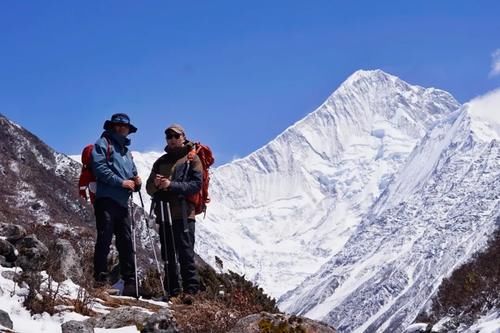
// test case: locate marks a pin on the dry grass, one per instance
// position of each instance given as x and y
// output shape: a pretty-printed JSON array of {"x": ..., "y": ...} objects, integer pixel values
[{"x": 206, "y": 315}]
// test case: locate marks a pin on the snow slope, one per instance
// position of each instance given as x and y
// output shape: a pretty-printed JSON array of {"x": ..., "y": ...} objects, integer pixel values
[
  {"x": 439, "y": 209},
  {"x": 280, "y": 213}
]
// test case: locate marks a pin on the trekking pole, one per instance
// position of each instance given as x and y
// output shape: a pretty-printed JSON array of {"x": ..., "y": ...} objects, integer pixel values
[
  {"x": 134, "y": 247},
  {"x": 151, "y": 240},
  {"x": 177, "y": 265},
  {"x": 165, "y": 258}
]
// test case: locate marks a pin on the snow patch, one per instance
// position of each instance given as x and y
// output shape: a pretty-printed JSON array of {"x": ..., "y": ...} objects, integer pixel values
[
  {"x": 489, "y": 323},
  {"x": 14, "y": 166}
]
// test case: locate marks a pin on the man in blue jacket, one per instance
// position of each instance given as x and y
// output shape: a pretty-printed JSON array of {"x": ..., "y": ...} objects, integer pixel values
[{"x": 116, "y": 176}]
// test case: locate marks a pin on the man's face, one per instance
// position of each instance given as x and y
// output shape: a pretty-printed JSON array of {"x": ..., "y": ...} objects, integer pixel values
[
  {"x": 121, "y": 129},
  {"x": 174, "y": 139}
]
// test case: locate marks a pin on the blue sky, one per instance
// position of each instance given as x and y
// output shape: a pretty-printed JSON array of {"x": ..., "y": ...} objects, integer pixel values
[{"x": 234, "y": 73}]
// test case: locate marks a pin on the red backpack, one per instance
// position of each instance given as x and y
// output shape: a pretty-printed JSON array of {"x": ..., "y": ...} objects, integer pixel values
[
  {"x": 201, "y": 199},
  {"x": 87, "y": 181}
]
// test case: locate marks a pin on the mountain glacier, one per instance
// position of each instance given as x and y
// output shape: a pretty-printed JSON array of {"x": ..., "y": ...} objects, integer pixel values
[
  {"x": 439, "y": 209},
  {"x": 283, "y": 211}
]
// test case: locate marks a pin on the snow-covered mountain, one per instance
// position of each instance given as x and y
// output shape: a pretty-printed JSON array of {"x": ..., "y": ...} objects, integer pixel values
[
  {"x": 440, "y": 208},
  {"x": 280, "y": 213}
]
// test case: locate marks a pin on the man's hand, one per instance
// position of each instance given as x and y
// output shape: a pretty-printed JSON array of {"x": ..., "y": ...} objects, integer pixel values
[
  {"x": 162, "y": 182},
  {"x": 128, "y": 184},
  {"x": 138, "y": 182}
]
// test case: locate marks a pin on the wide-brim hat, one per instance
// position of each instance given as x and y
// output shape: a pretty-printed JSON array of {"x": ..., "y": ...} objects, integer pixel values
[{"x": 119, "y": 118}]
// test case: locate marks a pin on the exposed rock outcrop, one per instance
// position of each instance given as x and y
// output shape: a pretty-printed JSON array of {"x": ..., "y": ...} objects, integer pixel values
[
  {"x": 5, "y": 320},
  {"x": 12, "y": 232},
  {"x": 161, "y": 322},
  {"x": 124, "y": 316},
  {"x": 66, "y": 265},
  {"x": 267, "y": 322},
  {"x": 74, "y": 326},
  {"x": 33, "y": 254},
  {"x": 8, "y": 251}
]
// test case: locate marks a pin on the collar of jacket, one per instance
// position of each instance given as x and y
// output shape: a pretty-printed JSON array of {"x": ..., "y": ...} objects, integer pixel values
[
  {"x": 122, "y": 141},
  {"x": 181, "y": 151}
]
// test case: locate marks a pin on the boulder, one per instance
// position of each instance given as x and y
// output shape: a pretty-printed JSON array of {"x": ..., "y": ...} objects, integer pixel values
[
  {"x": 123, "y": 316},
  {"x": 5, "y": 320},
  {"x": 66, "y": 263},
  {"x": 161, "y": 322},
  {"x": 267, "y": 322},
  {"x": 33, "y": 254},
  {"x": 74, "y": 326},
  {"x": 12, "y": 232},
  {"x": 5, "y": 263},
  {"x": 10, "y": 275},
  {"x": 8, "y": 251}
]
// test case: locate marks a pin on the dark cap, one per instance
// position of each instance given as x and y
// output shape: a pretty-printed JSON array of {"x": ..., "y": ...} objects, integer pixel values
[{"x": 119, "y": 118}]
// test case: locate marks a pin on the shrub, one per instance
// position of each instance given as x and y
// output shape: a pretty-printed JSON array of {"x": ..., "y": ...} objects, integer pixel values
[{"x": 471, "y": 289}]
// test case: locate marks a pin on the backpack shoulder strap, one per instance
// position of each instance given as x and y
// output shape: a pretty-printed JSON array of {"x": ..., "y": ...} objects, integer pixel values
[
  {"x": 192, "y": 153},
  {"x": 108, "y": 148}
]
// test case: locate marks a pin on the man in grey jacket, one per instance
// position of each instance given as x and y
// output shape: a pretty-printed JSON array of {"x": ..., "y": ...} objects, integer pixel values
[{"x": 116, "y": 176}]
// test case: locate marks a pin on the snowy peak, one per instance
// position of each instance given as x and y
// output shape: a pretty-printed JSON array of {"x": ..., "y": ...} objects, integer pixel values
[
  {"x": 378, "y": 91},
  {"x": 355, "y": 107},
  {"x": 475, "y": 124},
  {"x": 437, "y": 210},
  {"x": 292, "y": 204},
  {"x": 367, "y": 79}
]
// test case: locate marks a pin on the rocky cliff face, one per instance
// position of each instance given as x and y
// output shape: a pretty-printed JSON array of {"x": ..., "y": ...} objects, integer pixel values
[{"x": 38, "y": 184}]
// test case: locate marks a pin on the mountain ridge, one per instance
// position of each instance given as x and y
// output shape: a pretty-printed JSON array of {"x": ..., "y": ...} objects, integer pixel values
[
  {"x": 328, "y": 161},
  {"x": 424, "y": 214}
]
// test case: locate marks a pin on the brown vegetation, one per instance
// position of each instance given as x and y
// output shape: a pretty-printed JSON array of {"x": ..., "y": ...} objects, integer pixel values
[{"x": 472, "y": 289}]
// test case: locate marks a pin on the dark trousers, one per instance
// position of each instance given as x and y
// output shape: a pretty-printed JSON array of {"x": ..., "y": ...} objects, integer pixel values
[
  {"x": 184, "y": 250},
  {"x": 113, "y": 219}
]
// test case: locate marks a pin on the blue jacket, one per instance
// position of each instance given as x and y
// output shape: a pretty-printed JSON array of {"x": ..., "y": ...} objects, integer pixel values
[{"x": 112, "y": 167}]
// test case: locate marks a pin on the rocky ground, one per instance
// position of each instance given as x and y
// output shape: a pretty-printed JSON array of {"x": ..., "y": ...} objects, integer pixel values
[{"x": 40, "y": 274}]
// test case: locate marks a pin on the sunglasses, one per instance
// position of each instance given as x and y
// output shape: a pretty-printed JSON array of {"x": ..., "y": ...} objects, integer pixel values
[{"x": 171, "y": 136}]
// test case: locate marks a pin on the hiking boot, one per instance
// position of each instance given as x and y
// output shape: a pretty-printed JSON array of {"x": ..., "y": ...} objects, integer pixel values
[
  {"x": 191, "y": 291},
  {"x": 129, "y": 289},
  {"x": 175, "y": 293}
]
